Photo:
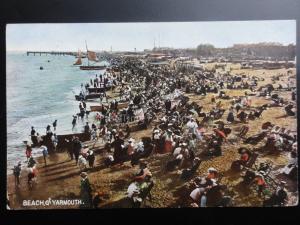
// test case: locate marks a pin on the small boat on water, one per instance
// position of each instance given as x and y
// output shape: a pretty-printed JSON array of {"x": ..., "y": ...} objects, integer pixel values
[
  {"x": 92, "y": 56},
  {"x": 41, "y": 68},
  {"x": 78, "y": 61},
  {"x": 92, "y": 67}
]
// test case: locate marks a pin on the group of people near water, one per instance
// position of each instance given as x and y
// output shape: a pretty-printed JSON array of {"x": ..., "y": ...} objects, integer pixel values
[
  {"x": 41, "y": 144},
  {"x": 157, "y": 99}
]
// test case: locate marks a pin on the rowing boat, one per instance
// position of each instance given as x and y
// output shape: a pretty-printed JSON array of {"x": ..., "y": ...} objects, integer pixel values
[
  {"x": 92, "y": 67},
  {"x": 97, "y": 90},
  {"x": 98, "y": 108},
  {"x": 89, "y": 96}
]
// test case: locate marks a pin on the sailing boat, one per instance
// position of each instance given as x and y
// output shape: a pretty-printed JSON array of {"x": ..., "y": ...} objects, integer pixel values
[
  {"x": 78, "y": 62},
  {"x": 92, "y": 56}
]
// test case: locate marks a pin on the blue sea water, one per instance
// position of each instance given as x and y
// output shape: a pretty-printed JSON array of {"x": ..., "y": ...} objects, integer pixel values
[{"x": 37, "y": 97}]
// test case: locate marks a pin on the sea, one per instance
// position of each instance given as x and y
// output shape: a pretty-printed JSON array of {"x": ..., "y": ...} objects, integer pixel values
[{"x": 38, "y": 97}]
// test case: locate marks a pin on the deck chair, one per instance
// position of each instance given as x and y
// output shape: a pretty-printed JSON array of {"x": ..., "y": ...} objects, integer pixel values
[
  {"x": 243, "y": 131},
  {"x": 252, "y": 160}
]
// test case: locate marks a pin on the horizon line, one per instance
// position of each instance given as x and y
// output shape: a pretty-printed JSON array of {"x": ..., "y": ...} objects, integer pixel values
[{"x": 248, "y": 43}]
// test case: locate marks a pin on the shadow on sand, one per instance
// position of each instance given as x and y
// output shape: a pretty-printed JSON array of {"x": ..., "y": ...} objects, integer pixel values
[{"x": 76, "y": 173}]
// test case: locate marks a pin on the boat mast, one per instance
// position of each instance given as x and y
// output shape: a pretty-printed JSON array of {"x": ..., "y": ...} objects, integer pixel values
[{"x": 87, "y": 53}]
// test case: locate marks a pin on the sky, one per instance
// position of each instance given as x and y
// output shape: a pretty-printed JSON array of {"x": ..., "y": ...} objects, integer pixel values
[{"x": 128, "y": 36}]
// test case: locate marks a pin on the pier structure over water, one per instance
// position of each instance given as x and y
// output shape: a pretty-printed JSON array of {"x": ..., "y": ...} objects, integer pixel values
[{"x": 51, "y": 53}]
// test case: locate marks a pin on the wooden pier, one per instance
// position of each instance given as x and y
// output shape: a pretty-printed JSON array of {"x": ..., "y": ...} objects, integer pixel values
[{"x": 50, "y": 53}]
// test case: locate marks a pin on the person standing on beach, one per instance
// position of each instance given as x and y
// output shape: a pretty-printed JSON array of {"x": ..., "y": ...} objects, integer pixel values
[
  {"x": 84, "y": 105},
  {"x": 91, "y": 158},
  {"x": 31, "y": 162},
  {"x": 77, "y": 146},
  {"x": 48, "y": 129},
  {"x": 118, "y": 149},
  {"x": 85, "y": 191},
  {"x": 230, "y": 117},
  {"x": 98, "y": 79},
  {"x": 33, "y": 136},
  {"x": 87, "y": 114},
  {"x": 32, "y": 172},
  {"x": 74, "y": 122},
  {"x": 17, "y": 173},
  {"x": 54, "y": 141},
  {"x": 95, "y": 82},
  {"x": 32, "y": 131},
  {"x": 45, "y": 153},
  {"x": 70, "y": 147},
  {"x": 87, "y": 87},
  {"x": 97, "y": 200},
  {"x": 80, "y": 106},
  {"x": 82, "y": 114},
  {"x": 87, "y": 128},
  {"x": 39, "y": 139},
  {"x": 28, "y": 152},
  {"x": 54, "y": 124}
]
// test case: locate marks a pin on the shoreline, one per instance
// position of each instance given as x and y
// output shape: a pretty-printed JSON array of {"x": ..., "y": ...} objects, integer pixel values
[{"x": 16, "y": 135}]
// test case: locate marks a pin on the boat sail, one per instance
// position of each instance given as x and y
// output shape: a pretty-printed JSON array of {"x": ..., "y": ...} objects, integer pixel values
[
  {"x": 78, "y": 62},
  {"x": 92, "y": 56}
]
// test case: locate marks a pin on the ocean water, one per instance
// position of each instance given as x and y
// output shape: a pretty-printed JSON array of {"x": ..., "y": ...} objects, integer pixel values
[{"x": 37, "y": 97}]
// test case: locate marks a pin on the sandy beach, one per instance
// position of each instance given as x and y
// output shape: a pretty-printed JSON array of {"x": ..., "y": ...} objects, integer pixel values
[{"x": 60, "y": 178}]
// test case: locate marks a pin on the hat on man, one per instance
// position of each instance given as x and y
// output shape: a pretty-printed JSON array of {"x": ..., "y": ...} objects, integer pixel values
[
  {"x": 211, "y": 169},
  {"x": 143, "y": 163},
  {"x": 180, "y": 156},
  {"x": 243, "y": 150},
  {"x": 282, "y": 182},
  {"x": 202, "y": 181},
  {"x": 131, "y": 140},
  {"x": 260, "y": 174},
  {"x": 83, "y": 174}
]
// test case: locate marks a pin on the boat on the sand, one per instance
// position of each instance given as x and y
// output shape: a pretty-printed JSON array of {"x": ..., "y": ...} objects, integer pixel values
[
  {"x": 88, "y": 96},
  {"x": 98, "y": 108}
]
